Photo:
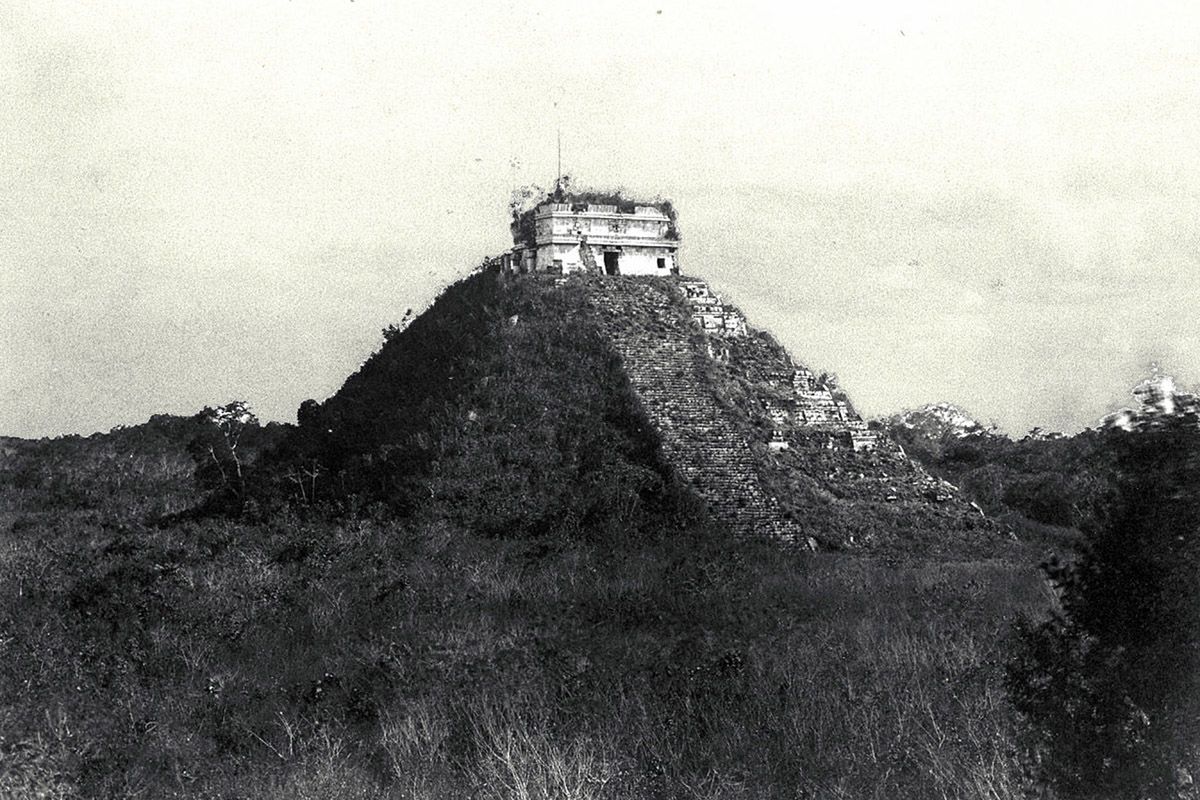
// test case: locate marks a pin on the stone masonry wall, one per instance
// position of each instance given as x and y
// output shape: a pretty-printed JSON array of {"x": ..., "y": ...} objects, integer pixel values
[
  {"x": 653, "y": 336},
  {"x": 725, "y": 409}
]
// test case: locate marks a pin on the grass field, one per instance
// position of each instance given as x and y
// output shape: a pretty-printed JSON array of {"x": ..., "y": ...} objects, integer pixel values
[{"x": 365, "y": 657}]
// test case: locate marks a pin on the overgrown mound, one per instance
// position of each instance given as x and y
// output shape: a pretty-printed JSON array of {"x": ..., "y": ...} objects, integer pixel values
[
  {"x": 502, "y": 408},
  {"x": 518, "y": 406}
]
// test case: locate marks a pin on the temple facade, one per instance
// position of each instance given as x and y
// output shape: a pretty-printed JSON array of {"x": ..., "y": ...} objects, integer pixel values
[{"x": 565, "y": 237}]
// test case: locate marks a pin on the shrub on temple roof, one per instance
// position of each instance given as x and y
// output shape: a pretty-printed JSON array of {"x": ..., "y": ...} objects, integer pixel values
[{"x": 526, "y": 199}]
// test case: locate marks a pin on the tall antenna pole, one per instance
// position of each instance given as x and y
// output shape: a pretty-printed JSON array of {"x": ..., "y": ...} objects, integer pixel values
[{"x": 558, "y": 125}]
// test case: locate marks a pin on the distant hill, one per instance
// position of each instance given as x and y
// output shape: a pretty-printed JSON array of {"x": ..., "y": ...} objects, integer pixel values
[
  {"x": 927, "y": 432},
  {"x": 941, "y": 420}
]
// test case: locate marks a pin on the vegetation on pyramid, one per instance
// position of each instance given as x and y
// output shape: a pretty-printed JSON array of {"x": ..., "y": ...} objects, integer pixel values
[
  {"x": 518, "y": 403},
  {"x": 500, "y": 408}
]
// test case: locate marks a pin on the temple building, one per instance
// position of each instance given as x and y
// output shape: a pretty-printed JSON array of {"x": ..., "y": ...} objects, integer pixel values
[{"x": 565, "y": 234}]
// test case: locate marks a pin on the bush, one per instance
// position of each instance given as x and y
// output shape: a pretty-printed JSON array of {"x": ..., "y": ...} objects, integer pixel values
[{"x": 1109, "y": 684}]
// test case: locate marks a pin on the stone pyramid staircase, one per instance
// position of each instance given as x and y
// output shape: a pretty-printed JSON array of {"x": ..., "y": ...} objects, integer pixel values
[
  {"x": 699, "y": 437},
  {"x": 719, "y": 399}
]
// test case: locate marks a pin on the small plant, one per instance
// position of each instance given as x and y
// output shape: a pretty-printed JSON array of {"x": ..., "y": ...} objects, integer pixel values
[
  {"x": 395, "y": 329},
  {"x": 220, "y": 466}
]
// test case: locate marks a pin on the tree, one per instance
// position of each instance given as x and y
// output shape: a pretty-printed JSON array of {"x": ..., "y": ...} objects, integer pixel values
[
  {"x": 219, "y": 466},
  {"x": 1110, "y": 684}
]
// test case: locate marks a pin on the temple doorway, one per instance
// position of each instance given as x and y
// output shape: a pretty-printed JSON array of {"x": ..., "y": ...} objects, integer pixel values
[{"x": 611, "y": 259}]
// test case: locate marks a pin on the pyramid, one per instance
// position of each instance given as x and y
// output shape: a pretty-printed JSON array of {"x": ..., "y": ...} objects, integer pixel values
[{"x": 584, "y": 363}]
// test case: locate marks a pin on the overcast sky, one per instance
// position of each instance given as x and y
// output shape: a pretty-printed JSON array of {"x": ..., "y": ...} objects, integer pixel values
[{"x": 991, "y": 204}]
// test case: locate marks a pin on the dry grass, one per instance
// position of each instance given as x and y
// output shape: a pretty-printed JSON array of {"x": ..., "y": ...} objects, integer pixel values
[{"x": 370, "y": 658}]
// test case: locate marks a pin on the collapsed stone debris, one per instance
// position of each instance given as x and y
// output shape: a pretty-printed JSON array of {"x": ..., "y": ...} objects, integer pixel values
[{"x": 813, "y": 402}]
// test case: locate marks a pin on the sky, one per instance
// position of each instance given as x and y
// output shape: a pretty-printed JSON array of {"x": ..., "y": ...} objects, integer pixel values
[{"x": 989, "y": 204}]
